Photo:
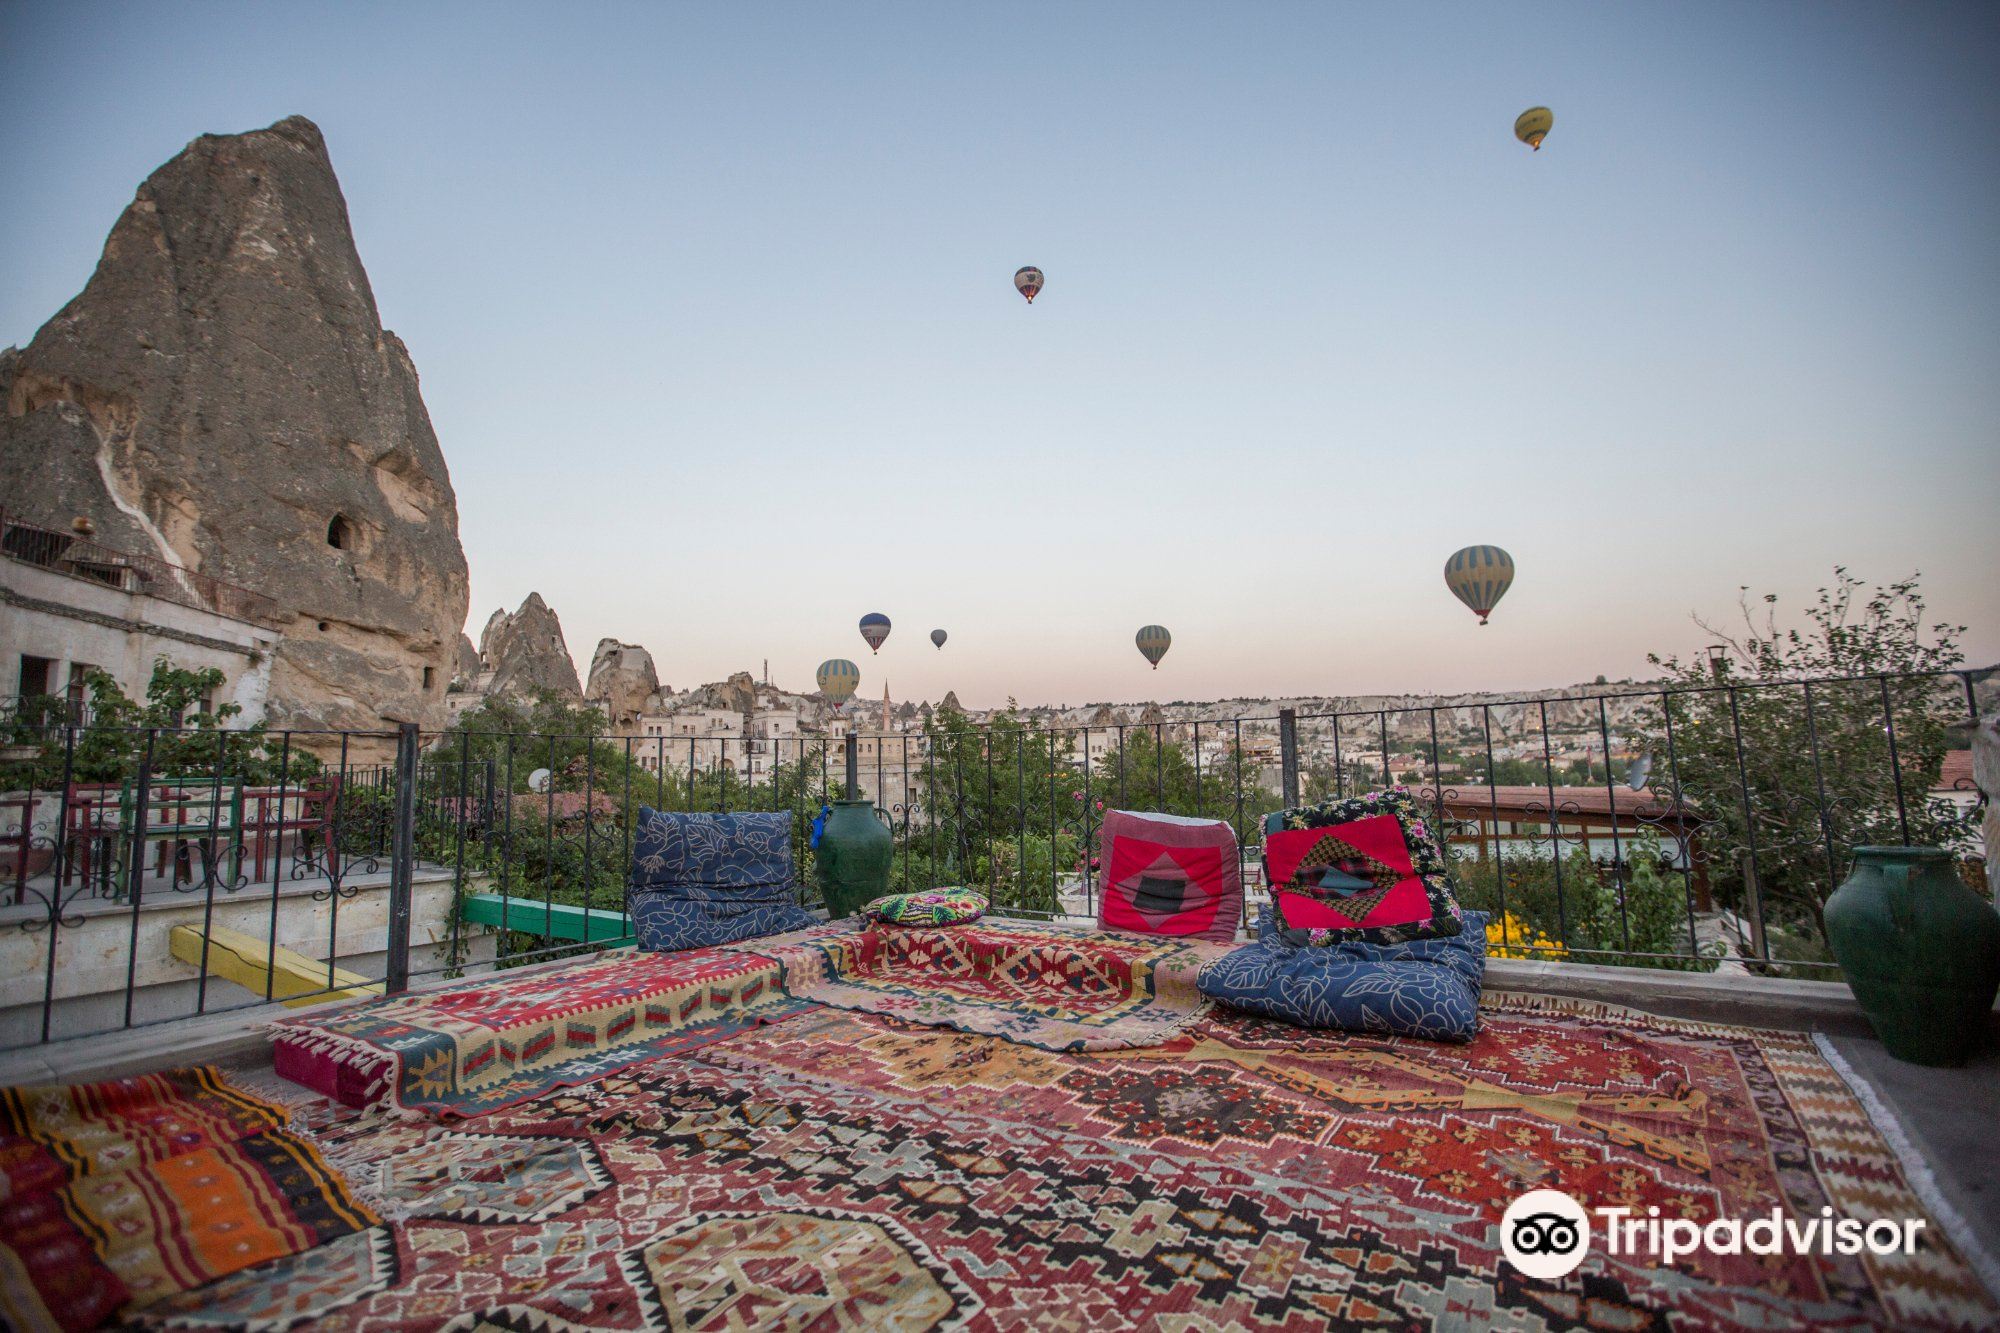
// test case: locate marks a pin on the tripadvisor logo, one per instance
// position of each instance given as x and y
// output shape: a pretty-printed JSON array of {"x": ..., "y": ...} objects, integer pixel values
[{"x": 1545, "y": 1234}]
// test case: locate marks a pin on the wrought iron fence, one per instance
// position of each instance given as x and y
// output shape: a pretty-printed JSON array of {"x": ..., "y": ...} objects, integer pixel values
[{"x": 152, "y": 874}]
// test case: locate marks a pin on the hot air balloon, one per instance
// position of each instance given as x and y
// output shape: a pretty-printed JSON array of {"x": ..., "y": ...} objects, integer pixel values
[
  {"x": 1479, "y": 576},
  {"x": 1532, "y": 126},
  {"x": 1028, "y": 281},
  {"x": 875, "y": 628},
  {"x": 1153, "y": 641},
  {"x": 838, "y": 679},
  {"x": 938, "y": 637}
]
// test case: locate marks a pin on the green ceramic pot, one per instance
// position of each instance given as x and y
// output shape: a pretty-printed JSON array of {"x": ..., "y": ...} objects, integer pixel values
[
  {"x": 852, "y": 860},
  {"x": 1920, "y": 949}
]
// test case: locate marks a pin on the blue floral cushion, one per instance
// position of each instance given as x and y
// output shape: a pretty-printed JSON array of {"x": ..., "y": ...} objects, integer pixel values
[
  {"x": 712, "y": 879},
  {"x": 1416, "y": 988}
]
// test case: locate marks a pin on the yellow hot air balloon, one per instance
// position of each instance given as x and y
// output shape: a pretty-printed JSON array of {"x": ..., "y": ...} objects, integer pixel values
[
  {"x": 838, "y": 678},
  {"x": 1479, "y": 576},
  {"x": 1532, "y": 126}
]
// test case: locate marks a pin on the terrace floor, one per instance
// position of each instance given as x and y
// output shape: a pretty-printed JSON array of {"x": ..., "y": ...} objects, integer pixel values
[{"x": 863, "y": 1172}]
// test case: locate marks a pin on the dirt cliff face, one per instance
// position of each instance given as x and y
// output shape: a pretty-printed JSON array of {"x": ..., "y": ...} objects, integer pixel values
[{"x": 222, "y": 394}]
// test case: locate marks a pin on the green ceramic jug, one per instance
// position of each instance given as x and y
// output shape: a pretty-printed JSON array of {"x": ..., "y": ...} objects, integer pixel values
[
  {"x": 853, "y": 857},
  {"x": 1920, "y": 949}
]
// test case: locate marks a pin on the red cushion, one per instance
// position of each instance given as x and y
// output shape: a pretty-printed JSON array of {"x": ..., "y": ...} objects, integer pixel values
[
  {"x": 1366, "y": 868},
  {"x": 1167, "y": 875}
]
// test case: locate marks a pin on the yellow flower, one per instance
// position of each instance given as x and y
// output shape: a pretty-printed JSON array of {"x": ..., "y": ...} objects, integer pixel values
[{"x": 1511, "y": 937}]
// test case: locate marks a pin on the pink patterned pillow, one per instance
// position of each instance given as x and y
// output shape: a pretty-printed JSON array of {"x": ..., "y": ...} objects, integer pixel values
[{"x": 1170, "y": 875}]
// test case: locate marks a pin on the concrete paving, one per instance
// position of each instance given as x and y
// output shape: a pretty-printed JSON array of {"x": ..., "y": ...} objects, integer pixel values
[{"x": 1952, "y": 1117}]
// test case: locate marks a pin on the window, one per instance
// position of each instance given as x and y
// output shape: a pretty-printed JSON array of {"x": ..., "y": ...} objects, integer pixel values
[
  {"x": 430, "y": 679},
  {"x": 78, "y": 691},
  {"x": 35, "y": 672},
  {"x": 340, "y": 533}
]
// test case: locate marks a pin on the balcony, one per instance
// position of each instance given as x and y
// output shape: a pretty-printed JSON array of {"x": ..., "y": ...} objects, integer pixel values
[
  {"x": 77, "y": 556},
  {"x": 1661, "y": 1024}
]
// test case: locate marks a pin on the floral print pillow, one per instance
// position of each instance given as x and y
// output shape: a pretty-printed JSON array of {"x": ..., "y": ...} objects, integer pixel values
[{"x": 930, "y": 907}]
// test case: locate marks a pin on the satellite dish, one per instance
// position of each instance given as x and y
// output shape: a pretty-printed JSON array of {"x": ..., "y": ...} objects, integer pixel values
[
  {"x": 538, "y": 781},
  {"x": 1637, "y": 771}
]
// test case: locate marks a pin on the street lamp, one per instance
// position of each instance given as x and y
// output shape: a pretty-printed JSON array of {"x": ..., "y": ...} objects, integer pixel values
[{"x": 1718, "y": 659}]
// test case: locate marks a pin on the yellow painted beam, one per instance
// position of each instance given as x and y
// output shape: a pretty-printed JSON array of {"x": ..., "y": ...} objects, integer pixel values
[{"x": 254, "y": 965}]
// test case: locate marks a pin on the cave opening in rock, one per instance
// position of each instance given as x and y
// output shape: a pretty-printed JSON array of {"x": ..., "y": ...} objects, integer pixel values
[{"x": 340, "y": 533}]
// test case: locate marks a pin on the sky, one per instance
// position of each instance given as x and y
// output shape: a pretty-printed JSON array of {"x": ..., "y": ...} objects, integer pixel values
[{"x": 712, "y": 306}]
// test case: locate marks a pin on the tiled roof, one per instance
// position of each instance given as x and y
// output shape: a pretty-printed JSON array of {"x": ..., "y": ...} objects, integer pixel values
[
  {"x": 1956, "y": 774},
  {"x": 1467, "y": 799}
]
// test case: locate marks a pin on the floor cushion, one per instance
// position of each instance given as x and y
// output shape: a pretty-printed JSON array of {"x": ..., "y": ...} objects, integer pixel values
[
  {"x": 1366, "y": 868},
  {"x": 1416, "y": 988},
  {"x": 1039, "y": 983},
  {"x": 930, "y": 907},
  {"x": 699, "y": 880},
  {"x": 490, "y": 1041},
  {"x": 1170, "y": 875}
]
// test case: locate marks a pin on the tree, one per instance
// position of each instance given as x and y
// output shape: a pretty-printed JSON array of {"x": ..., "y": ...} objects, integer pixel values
[
  {"x": 172, "y": 732},
  {"x": 1801, "y": 743}
]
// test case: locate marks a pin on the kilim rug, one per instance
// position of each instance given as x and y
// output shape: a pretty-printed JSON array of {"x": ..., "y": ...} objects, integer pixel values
[
  {"x": 117, "y": 1195},
  {"x": 846, "y": 1171},
  {"x": 1057, "y": 987},
  {"x": 468, "y": 1049}
]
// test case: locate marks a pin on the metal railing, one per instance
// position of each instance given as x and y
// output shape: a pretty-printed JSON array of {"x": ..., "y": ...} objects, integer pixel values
[
  {"x": 1684, "y": 827},
  {"x": 77, "y": 556}
]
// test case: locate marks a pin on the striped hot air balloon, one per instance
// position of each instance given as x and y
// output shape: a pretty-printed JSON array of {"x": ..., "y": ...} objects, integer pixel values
[
  {"x": 1533, "y": 125},
  {"x": 838, "y": 679},
  {"x": 1153, "y": 641},
  {"x": 1479, "y": 576},
  {"x": 875, "y": 629}
]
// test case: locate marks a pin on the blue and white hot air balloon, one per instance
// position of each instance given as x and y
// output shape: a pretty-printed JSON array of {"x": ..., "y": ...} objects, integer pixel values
[
  {"x": 1479, "y": 576},
  {"x": 875, "y": 628}
]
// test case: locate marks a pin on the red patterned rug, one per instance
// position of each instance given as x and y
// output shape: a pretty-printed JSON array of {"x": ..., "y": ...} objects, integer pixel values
[
  {"x": 117, "y": 1195},
  {"x": 843, "y": 1170},
  {"x": 1057, "y": 987}
]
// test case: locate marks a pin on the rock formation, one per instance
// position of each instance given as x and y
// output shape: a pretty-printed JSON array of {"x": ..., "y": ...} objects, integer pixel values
[
  {"x": 465, "y": 665},
  {"x": 222, "y": 394},
  {"x": 622, "y": 676},
  {"x": 951, "y": 703},
  {"x": 523, "y": 654}
]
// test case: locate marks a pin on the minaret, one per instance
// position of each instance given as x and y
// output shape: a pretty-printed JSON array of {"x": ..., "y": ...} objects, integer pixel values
[{"x": 885, "y": 708}]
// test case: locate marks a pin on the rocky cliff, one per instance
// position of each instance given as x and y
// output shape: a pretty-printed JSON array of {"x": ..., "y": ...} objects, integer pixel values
[
  {"x": 523, "y": 653},
  {"x": 465, "y": 665},
  {"x": 622, "y": 675},
  {"x": 222, "y": 394}
]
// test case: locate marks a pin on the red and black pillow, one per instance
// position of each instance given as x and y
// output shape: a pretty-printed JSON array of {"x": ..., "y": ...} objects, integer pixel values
[
  {"x": 1367, "y": 868},
  {"x": 1170, "y": 875}
]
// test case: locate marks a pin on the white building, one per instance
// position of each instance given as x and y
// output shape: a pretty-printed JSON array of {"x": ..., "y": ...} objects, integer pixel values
[{"x": 69, "y": 606}]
